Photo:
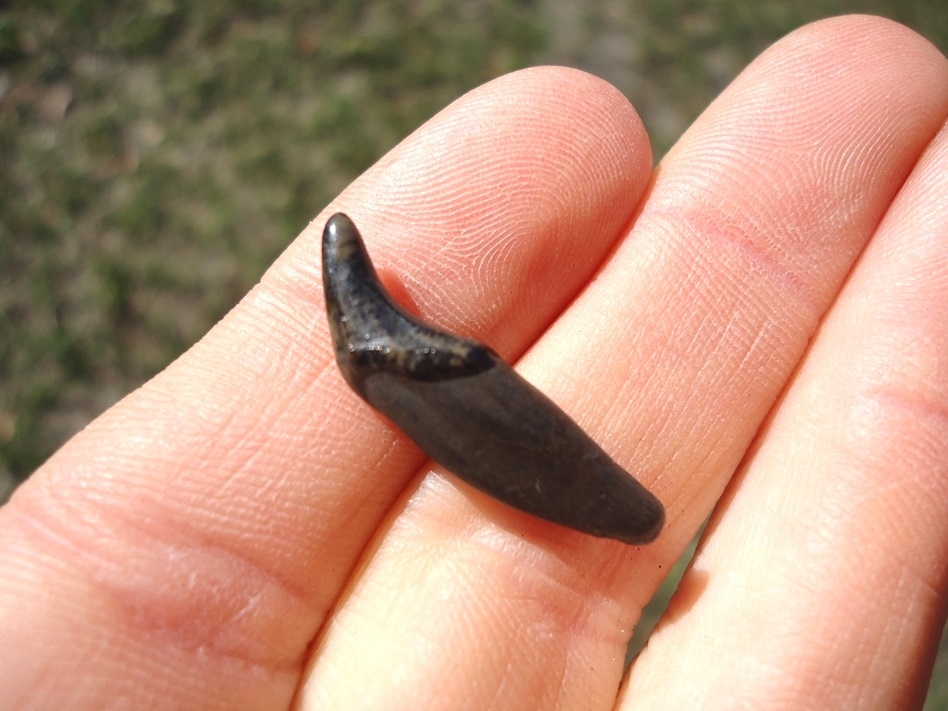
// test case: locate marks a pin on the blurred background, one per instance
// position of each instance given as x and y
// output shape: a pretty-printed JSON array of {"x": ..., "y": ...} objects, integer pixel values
[{"x": 157, "y": 155}]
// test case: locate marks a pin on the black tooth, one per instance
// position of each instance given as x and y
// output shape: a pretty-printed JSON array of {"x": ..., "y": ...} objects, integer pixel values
[{"x": 469, "y": 410}]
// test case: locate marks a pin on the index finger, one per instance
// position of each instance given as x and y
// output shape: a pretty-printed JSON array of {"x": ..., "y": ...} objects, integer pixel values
[{"x": 204, "y": 526}]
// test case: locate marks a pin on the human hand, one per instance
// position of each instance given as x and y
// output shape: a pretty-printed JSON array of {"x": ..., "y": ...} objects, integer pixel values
[{"x": 243, "y": 532}]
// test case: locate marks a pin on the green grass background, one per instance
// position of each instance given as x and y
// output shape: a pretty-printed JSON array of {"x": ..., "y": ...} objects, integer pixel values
[{"x": 156, "y": 156}]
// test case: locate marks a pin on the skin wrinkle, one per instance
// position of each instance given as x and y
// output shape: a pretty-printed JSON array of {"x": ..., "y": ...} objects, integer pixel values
[
  {"x": 592, "y": 611},
  {"x": 718, "y": 231},
  {"x": 922, "y": 428},
  {"x": 532, "y": 562},
  {"x": 130, "y": 599},
  {"x": 388, "y": 445},
  {"x": 694, "y": 335},
  {"x": 240, "y": 480},
  {"x": 852, "y": 682},
  {"x": 440, "y": 556},
  {"x": 810, "y": 307},
  {"x": 583, "y": 624},
  {"x": 817, "y": 187}
]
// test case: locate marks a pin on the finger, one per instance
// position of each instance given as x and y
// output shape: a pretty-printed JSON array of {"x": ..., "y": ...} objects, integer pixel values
[
  {"x": 824, "y": 577},
  {"x": 671, "y": 358},
  {"x": 190, "y": 542}
]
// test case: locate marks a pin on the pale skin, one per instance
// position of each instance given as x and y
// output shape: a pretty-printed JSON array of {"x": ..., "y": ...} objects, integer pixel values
[{"x": 244, "y": 533}]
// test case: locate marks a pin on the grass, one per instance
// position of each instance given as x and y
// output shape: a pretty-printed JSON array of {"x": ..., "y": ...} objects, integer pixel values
[{"x": 157, "y": 155}]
